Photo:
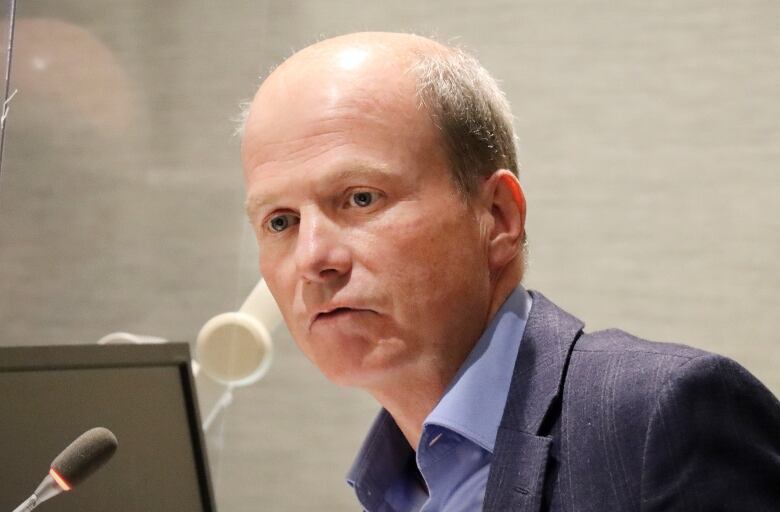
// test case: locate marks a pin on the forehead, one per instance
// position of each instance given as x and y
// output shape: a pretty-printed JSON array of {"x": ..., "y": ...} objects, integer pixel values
[
  {"x": 312, "y": 97},
  {"x": 308, "y": 112}
]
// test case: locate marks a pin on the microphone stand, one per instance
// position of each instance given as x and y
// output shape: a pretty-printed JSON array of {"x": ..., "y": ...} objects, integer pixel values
[{"x": 48, "y": 488}]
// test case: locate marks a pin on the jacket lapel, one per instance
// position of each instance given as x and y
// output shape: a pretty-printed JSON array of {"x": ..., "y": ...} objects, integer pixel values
[{"x": 516, "y": 478}]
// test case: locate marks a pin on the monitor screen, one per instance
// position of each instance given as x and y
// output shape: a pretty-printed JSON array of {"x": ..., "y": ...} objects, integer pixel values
[{"x": 142, "y": 393}]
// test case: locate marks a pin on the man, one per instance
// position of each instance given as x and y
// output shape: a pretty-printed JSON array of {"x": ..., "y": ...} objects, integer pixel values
[{"x": 382, "y": 186}]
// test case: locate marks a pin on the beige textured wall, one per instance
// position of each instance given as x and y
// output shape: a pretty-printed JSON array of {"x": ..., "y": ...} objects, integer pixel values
[{"x": 650, "y": 141}]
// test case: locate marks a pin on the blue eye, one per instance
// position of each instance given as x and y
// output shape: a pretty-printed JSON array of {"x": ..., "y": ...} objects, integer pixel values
[
  {"x": 279, "y": 223},
  {"x": 362, "y": 199}
]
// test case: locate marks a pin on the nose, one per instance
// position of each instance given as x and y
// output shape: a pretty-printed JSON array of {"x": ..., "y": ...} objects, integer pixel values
[{"x": 321, "y": 253}]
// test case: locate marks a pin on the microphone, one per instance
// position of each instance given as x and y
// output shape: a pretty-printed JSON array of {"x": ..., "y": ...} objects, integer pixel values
[{"x": 71, "y": 467}]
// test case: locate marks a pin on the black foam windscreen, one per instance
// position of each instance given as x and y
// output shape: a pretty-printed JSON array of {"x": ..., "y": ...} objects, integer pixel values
[{"x": 85, "y": 455}]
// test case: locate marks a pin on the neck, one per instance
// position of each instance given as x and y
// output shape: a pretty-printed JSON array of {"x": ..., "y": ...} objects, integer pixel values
[
  {"x": 413, "y": 393},
  {"x": 411, "y": 402},
  {"x": 411, "y": 397},
  {"x": 505, "y": 283}
]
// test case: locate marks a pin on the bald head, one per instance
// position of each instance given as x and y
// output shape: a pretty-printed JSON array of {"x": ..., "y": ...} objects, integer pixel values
[
  {"x": 366, "y": 74},
  {"x": 372, "y": 69},
  {"x": 348, "y": 52}
]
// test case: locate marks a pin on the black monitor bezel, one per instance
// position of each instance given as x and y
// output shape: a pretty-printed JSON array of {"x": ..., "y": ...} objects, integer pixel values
[{"x": 70, "y": 357}]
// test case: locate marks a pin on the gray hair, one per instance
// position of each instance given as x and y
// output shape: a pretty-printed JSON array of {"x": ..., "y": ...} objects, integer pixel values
[
  {"x": 471, "y": 112},
  {"x": 474, "y": 119}
]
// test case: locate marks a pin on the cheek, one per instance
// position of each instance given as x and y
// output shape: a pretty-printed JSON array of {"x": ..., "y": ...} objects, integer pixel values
[
  {"x": 279, "y": 280},
  {"x": 431, "y": 261}
]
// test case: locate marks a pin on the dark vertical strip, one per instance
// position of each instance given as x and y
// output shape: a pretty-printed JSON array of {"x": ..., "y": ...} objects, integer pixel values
[{"x": 11, "y": 25}]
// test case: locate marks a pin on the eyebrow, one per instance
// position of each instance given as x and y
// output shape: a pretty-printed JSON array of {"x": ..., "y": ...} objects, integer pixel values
[
  {"x": 348, "y": 172},
  {"x": 254, "y": 203}
]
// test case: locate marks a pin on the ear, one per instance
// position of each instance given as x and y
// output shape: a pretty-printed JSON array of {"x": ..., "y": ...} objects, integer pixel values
[{"x": 505, "y": 202}]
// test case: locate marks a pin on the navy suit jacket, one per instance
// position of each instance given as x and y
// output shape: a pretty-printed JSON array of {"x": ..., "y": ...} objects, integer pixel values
[{"x": 608, "y": 422}]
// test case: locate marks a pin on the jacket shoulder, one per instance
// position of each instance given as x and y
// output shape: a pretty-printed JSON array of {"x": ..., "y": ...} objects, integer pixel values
[
  {"x": 712, "y": 442},
  {"x": 612, "y": 384},
  {"x": 636, "y": 410},
  {"x": 615, "y": 340}
]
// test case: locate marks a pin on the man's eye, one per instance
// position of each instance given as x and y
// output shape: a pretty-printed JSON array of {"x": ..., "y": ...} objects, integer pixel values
[
  {"x": 362, "y": 199},
  {"x": 279, "y": 223}
]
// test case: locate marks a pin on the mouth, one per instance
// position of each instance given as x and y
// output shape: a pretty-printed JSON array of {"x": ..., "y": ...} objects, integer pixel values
[
  {"x": 334, "y": 313},
  {"x": 337, "y": 313}
]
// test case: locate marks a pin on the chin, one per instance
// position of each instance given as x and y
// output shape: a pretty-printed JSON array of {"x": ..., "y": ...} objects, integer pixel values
[
  {"x": 342, "y": 372},
  {"x": 345, "y": 371},
  {"x": 344, "y": 379},
  {"x": 361, "y": 365},
  {"x": 337, "y": 358},
  {"x": 358, "y": 378}
]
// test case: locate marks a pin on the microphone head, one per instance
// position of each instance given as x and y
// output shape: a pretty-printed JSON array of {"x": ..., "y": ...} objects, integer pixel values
[{"x": 83, "y": 456}]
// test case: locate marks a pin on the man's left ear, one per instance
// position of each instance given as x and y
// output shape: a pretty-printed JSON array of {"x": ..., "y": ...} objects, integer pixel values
[{"x": 503, "y": 196}]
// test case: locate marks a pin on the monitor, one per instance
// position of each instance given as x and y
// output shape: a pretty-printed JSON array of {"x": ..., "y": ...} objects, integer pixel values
[{"x": 143, "y": 393}]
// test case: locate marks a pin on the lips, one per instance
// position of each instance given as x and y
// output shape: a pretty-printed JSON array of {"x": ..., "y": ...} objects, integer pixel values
[{"x": 336, "y": 312}]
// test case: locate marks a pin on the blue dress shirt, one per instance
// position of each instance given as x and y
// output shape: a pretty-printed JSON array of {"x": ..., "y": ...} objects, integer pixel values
[{"x": 449, "y": 469}]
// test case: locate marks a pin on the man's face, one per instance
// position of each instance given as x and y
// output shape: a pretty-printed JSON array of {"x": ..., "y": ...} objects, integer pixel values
[{"x": 377, "y": 264}]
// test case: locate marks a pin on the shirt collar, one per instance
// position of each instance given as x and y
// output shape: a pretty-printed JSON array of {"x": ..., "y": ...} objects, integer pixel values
[
  {"x": 472, "y": 405},
  {"x": 474, "y": 401}
]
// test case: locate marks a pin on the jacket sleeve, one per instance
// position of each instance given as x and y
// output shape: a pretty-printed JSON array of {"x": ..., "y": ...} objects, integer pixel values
[{"x": 713, "y": 441}]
